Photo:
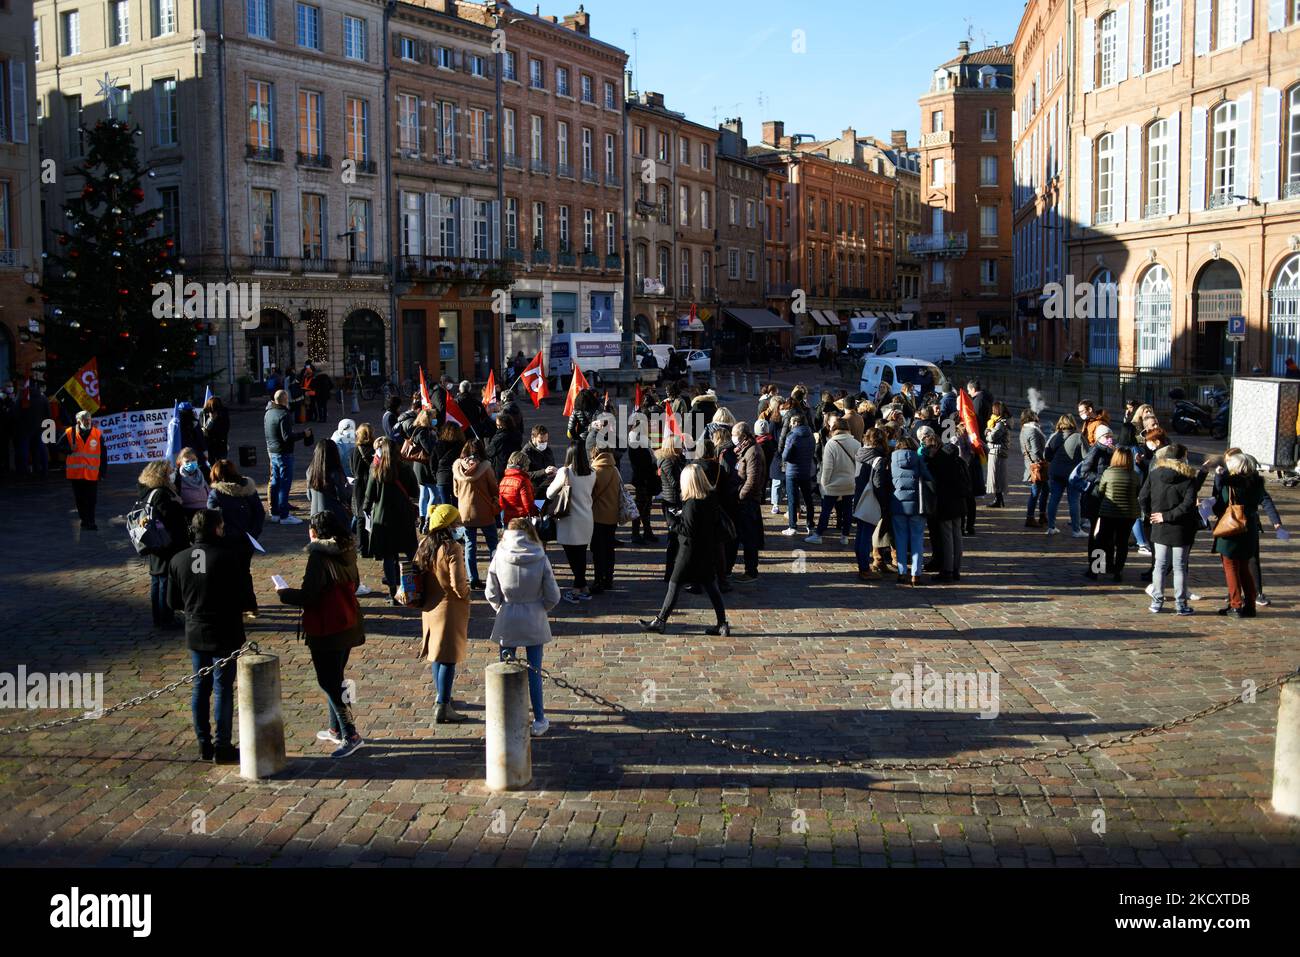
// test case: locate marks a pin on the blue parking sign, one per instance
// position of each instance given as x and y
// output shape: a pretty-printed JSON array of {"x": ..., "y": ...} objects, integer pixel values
[{"x": 1237, "y": 326}]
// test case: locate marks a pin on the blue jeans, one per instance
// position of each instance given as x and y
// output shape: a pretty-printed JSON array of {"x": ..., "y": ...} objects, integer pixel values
[
  {"x": 909, "y": 541},
  {"x": 162, "y": 611},
  {"x": 1059, "y": 488},
  {"x": 444, "y": 676},
  {"x": 776, "y": 492},
  {"x": 428, "y": 496},
  {"x": 862, "y": 545},
  {"x": 281, "y": 482},
  {"x": 223, "y": 680},
  {"x": 794, "y": 487},
  {"x": 1140, "y": 534},
  {"x": 471, "y": 552},
  {"x": 1038, "y": 496},
  {"x": 534, "y": 653},
  {"x": 843, "y": 507}
]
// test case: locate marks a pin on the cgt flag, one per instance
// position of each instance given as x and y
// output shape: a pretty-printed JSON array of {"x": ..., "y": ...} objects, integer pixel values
[
  {"x": 966, "y": 409},
  {"x": 576, "y": 385},
  {"x": 424, "y": 392},
  {"x": 454, "y": 412},
  {"x": 490, "y": 390},
  {"x": 84, "y": 386},
  {"x": 535, "y": 381}
]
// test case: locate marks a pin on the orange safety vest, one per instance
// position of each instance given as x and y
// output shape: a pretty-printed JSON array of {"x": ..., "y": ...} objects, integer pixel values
[{"x": 84, "y": 459}]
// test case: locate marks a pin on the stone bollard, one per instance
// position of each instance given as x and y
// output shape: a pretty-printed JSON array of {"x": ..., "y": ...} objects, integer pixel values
[
  {"x": 261, "y": 729},
  {"x": 1286, "y": 754},
  {"x": 744, "y": 383},
  {"x": 732, "y": 386},
  {"x": 757, "y": 389},
  {"x": 509, "y": 744}
]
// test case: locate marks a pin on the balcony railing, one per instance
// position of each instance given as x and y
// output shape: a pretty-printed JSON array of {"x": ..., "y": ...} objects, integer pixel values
[
  {"x": 590, "y": 261},
  {"x": 318, "y": 264},
  {"x": 590, "y": 176},
  {"x": 564, "y": 170},
  {"x": 513, "y": 161},
  {"x": 365, "y": 166},
  {"x": 263, "y": 154},
  {"x": 613, "y": 262},
  {"x": 451, "y": 268},
  {"x": 781, "y": 289},
  {"x": 708, "y": 293},
  {"x": 540, "y": 166},
  {"x": 1155, "y": 208},
  {"x": 541, "y": 257},
  {"x": 1221, "y": 198},
  {"x": 1218, "y": 306},
  {"x": 1291, "y": 189},
  {"x": 515, "y": 255},
  {"x": 614, "y": 180},
  {"x": 366, "y": 267},
  {"x": 269, "y": 263},
  {"x": 314, "y": 160},
  {"x": 567, "y": 259},
  {"x": 938, "y": 245}
]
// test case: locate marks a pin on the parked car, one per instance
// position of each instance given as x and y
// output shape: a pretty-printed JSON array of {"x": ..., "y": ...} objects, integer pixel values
[
  {"x": 809, "y": 348},
  {"x": 700, "y": 361},
  {"x": 898, "y": 375}
]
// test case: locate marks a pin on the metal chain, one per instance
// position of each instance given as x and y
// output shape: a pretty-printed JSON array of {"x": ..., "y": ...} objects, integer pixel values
[
  {"x": 249, "y": 648},
  {"x": 874, "y": 764}
]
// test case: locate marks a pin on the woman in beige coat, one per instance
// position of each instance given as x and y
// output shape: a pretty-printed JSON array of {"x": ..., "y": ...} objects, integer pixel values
[
  {"x": 444, "y": 616},
  {"x": 475, "y": 484}
]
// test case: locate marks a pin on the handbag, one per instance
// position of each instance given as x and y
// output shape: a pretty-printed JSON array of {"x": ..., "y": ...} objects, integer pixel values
[
  {"x": 927, "y": 496},
  {"x": 627, "y": 510},
  {"x": 560, "y": 504},
  {"x": 868, "y": 507},
  {"x": 1232, "y": 522},
  {"x": 1038, "y": 472},
  {"x": 726, "y": 528},
  {"x": 545, "y": 527},
  {"x": 146, "y": 528},
  {"x": 411, "y": 590},
  {"x": 411, "y": 452}
]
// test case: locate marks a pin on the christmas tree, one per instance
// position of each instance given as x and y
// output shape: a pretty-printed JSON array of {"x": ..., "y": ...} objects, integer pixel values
[{"x": 99, "y": 282}]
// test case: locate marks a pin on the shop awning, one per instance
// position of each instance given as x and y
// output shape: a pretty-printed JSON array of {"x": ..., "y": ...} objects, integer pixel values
[
  {"x": 758, "y": 319},
  {"x": 689, "y": 323},
  {"x": 832, "y": 317},
  {"x": 819, "y": 317}
]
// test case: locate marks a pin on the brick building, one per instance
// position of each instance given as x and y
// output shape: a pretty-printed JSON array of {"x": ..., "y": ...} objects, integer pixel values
[
  {"x": 20, "y": 194},
  {"x": 966, "y": 188},
  {"x": 902, "y": 164}
]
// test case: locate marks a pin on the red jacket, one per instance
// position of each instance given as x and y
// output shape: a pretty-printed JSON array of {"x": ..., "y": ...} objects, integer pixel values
[{"x": 516, "y": 496}]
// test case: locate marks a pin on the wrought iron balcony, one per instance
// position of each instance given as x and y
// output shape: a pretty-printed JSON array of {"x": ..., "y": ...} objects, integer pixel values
[
  {"x": 513, "y": 161},
  {"x": 590, "y": 261},
  {"x": 1291, "y": 190},
  {"x": 938, "y": 245},
  {"x": 366, "y": 267},
  {"x": 515, "y": 255},
  {"x": 318, "y": 264},
  {"x": 613, "y": 262},
  {"x": 564, "y": 170},
  {"x": 567, "y": 259},
  {"x": 263, "y": 154},
  {"x": 590, "y": 176},
  {"x": 269, "y": 263},
  {"x": 368, "y": 167},
  {"x": 541, "y": 257},
  {"x": 314, "y": 160},
  {"x": 614, "y": 180},
  {"x": 1155, "y": 208},
  {"x": 1221, "y": 198},
  {"x": 540, "y": 166},
  {"x": 451, "y": 269},
  {"x": 1217, "y": 306}
]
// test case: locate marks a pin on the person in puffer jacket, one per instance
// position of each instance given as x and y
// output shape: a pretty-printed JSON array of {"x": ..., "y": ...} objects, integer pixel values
[
  {"x": 237, "y": 499},
  {"x": 1168, "y": 500},
  {"x": 521, "y": 588},
  {"x": 908, "y": 471},
  {"x": 516, "y": 495},
  {"x": 873, "y": 470},
  {"x": 797, "y": 457},
  {"x": 837, "y": 480}
]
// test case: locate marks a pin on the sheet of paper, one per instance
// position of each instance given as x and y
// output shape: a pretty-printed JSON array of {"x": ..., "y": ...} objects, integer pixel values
[
  {"x": 279, "y": 583},
  {"x": 256, "y": 544}
]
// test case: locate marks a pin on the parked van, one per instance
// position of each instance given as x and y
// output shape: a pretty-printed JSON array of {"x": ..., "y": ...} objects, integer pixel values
[
  {"x": 864, "y": 334},
  {"x": 597, "y": 352},
  {"x": 809, "y": 348},
  {"x": 898, "y": 374},
  {"x": 933, "y": 345}
]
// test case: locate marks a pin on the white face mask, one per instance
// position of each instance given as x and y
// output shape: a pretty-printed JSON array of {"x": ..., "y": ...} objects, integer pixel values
[{"x": 540, "y": 446}]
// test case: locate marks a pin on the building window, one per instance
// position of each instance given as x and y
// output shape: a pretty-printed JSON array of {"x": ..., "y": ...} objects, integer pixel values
[
  {"x": 447, "y": 131},
  {"x": 683, "y": 151},
  {"x": 481, "y": 245},
  {"x": 412, "y": 205},
  {"x": 313, "y": 226},
  {"x": 1284, "y": 315},
  {"x": 164, "y": 17},
  {"x": 119, "y": 106},
  {"x": 1223, "y": 160},
  {"x": 588, "y": 89},
  {"x": 684, "y": 205},
  {"x": 1106, "y": 178},
  {"x": 508, "y": 137},
  {"x": 588, "y": 231},
  {"x": 1157, "y": 175},
  {"x": 448, "y": 234},
  {"x": 446, "y": 58},
  {"x": 537, "y": 138},
  {"x": 665, "y": 266},
  {"x": 356, "y": 131},
  {"x": 686, "y": 288},
  {"x": 1163, "y": 33},
  {"x": 310, "y": 122},
  {"x": 988, "y": 272},
  {"x": 407, "y": 49},
  {"x": 751, "y": 214},
  {"x": 263, "y": 219},
  {"x": 936, "y": 121},
  {"x": 477, "y": 65},
  {"x": 564, "y": 229},
  {"x": 989, "y": 126},
  {"x": 1108, "y": 48},
  {"x": 663, "y": 154},
  {"x": 478, "y": 136},
  {"x": 71, "y": 33},
  {"x": 588, "y": 153},
  {"x": 257, "y": 18},
  {"x": 988, "y": 171},
  {"x": 733, "y": 210},
  {"x": 1103, "y": 327},
  {"x": 536, "y": 76},
  {"x": 938, "y": 174},
  {"x": 611, "y": 234},
  {"x": 1154, "y": 319},
  {"x": 611, "y": 156},
  {"x": 1229, "y": 17},
  {"x": 119, "y": 23},
  {"x": 358, "y": 231},
  {"x": 354, "y": 38},
  {"x": 733, "y": 264},
  {"x": 261, "y": 114},
  {"x": 508, "y": 67},
  {"x": 408, "y": 125},
  {"x": 751, "y": 267},
  {"x": 512, "y": 223},
  {"x": 36, "y": 39},
  {"x": 611, "y": 96},
  {"x": 308, "y": 26},
  {"x": 665, "y": 205},
  {"x": 706, "y": 156},
  {"x": 562, "y": 149},
  {"x": 164, "y": 112},
  {"x": 988, "y": 222},
  {"x": 539, "y": 225},
  {"x": 1292, "y": 187},
  {"x": 562, "y": 81}
]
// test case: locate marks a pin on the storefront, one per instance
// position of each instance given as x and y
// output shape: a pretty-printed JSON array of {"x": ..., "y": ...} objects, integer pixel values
[
  {"x": 364, "y": 348},
  {"x": 270, "y": 346},
  {"x": 753, "y": 335}
]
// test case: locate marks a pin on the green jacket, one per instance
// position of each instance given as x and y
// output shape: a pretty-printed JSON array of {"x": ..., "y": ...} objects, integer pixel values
[
  {"x": 1246, "y": 491},
  {"x": 1118, "y": 489}
]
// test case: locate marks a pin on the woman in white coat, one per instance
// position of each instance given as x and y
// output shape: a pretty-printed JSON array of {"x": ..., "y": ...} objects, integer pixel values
[
  {"x": 521, "y": 589},
  {"x": 838, "y": 478},
  {"x": 573, "y": 531}
]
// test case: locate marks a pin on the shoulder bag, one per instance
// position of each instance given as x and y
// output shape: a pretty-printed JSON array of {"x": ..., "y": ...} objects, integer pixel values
[{"x": 1233, "y": 522}]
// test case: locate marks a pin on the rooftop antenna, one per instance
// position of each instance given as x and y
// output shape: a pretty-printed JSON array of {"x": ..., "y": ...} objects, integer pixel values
[{"x": 636, "y": 58}]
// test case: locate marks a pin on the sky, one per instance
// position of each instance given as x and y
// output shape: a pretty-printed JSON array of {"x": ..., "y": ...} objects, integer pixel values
[{"x": 864, "y": 64}]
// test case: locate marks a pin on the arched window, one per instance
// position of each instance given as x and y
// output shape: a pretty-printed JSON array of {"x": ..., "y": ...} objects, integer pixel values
[
  {"x": 1107, "y": 178},
  {"x": 1291, "y": 187},
  {"x": 1103, "y": 327},
  {"x": 1223, "y": 161},
  {"x": 1158, "y": 169},
  {"x": 1155, "y": 326},
  {"x": 1284, "y": 315},
  {"x": 1108, "y": 48}
]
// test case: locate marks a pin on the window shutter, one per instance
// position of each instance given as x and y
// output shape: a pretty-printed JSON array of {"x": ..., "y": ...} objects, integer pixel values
[
  {"x": 494, "y": 229},
  {"x": 18, "y": 98},
  {"x": 1119, "y": 175},
  {"x": 1088, "y": 55},
  {"x": 1121, "y": 42},
  {"x": 1174, "y": 167},
  {"x": 1135, "y": 166},
  {"x": 1270, "y": 142},
  {"x": 1176, "y": 33},
  {"x": 432, "y": 223},
  {"x": 1083, "y": 202},
  {"x": 465, "y": 226},
  {"x": 1196, "y": 179},
  {"x": 1138, "y": 36},
  {"x": 1276, "y": 15},
  {"x": 1245, "y": 20},
  {"x": 1202, "y": 28},
  {"x": 1241, "y": 177}
]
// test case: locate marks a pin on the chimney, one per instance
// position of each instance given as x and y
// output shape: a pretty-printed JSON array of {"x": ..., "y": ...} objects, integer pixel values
[
  {"x": 773, "y": 132},
  {"x": 963, "y": 48},
  {"x": 653, "y": 100},
  {"x": 579, "y": 22},
  {"x": 898, "y": 139},
  {"x": 736, "y": 126},
  {"x": 850, "y": 136}
]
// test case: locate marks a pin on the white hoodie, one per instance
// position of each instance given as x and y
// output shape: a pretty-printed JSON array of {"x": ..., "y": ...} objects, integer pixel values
[{"x": 521, "y": 588}]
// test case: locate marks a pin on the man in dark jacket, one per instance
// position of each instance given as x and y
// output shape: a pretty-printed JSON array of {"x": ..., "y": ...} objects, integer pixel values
[
  {"x": 797, "y": 455},
  {"x": 280, "y": 441},
  {"x": 210, "y": 581},
  {"x": 541, "y": 458},
  {"x": 751, "y": 473},
  {"x": 505, "y": 441},
  {"x": 511, "y": 410},
  {"x": 952, "y": 488},
  {"x": 1168, "y": 500},
  {"x": 982, "y": 403}
]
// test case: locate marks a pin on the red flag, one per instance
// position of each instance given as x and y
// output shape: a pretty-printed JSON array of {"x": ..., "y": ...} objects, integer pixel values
[
  {"x": 534, "y": 377},
  {"x": 673, "y": 427},
  {"x": 966, "y": 409},
  {"x": 639, "y": 397},
  {"x": 490, "y": 390},
  {"x": 606, "y": 398},
  {"x": 424, "y": 392},
  {"x": 576, "y": 385},
  {"x": 455, "y": 413}
]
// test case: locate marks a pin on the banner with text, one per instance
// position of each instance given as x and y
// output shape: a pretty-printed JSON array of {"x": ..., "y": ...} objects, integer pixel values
[{"x": 135, "y": 436}]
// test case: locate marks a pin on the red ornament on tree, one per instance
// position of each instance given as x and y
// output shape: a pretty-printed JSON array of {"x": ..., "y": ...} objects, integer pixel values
[
  {"x": 137, "y": 194},
  {"x": 63, "y": 240},
  {"x": 170, "y": 243},
  {"x": 124, "y": 292},
  {"x": 88, "y": 190}
]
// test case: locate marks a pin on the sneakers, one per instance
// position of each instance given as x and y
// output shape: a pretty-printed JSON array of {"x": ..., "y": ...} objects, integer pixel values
[
  {"x": 1194, "y": 597},
  {"x": 333, "y": 737},
  {"x": 813, "y": 539},
  {"x": 776, "y": 510},
  {"x": 1053, "y": 530},
  {"x": 1262, "y": 601},
  {"x": 363, "y": 590},
  {"x": 291, "y": 520},
  {"x": 1151, "y": 592},
  {"x": 1144, "y": 550},
  {"x": 1157, "y": 606},
  {"x": 789, "y": 532},
  {"x": 745, "y": 579},
  {"x": 572, "y": 597},
  {"x": 349, "y": 745},
  {"x": 723, "y": 629},
  {"x": 226, "y": 754},
  {"x": 1185, "y": 610},
  {"x": 273, "y": 519},
  {"x": 653, "y": 625},
  {"x": 1079, "y": 534},
  {"x": 539, "y": 728}
]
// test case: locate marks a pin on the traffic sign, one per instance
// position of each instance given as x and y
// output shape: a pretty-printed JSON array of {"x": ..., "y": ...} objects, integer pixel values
[{"x": 1236, "y": 328}]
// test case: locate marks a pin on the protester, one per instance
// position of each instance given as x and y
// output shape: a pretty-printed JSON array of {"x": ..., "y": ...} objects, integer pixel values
[
  {"x": 444, "y": 613},
  {"x": 345, "y": 437},
  {"x": 982, "y": 403},
  {"x": 327, "y": 486},
  {"x": 1269, "y": 509},
  {"x": 516, "y": 496},
  {"x": 873, "y": 472},
  {"x": 1117, "y": 508},
  {"x": 332, "y": 622},
  {"x": 952, "y": 487},
  {"x": 669, "y": 462},
  {"x": 1064, "y": 452},
  {"x": 645, "y": 482},
  {"x": 1033, "y": 449},
  {"x": 574, "y": 484},
  {"x": 522, "y": 589},
  {"x": 86, "y": 466},
  {"x": 541, "y": 457},
  {"x": 797, "y": 455},
  {"x": 215, "y": 426},
  {"x": 236, "y": 498},
  {"x": 1168, "y": 500},
  {"x": 392, "y": 513},
  {"x": 190, "y": 483},
  {"x": 211, "y": 584},
  {"x": 1243, "y": 487},
  {"x": 447, "y": 451},
  {"x": 363, "y": 455},
  {"x": 908, "y": 472},
  {"x": 184, "y": 432},
  {"x": 837, "y": 479},
  {"x": 1093, "y": 420},
  {"x": 585, "y": 407},
  {"x": 392, "y": 412},
  {"x": 975, "y": 473},
  {"x": 506, "y": 440},
  {"x": 699, "y": 534},
  {"x": 751, "y": 472},
  {"x": 997, "y": 439},
  {"x": 277, "y": 426},
  {"x": 477, "y": 494},
  {"x": 420, "y": 450},
  {"x": 157, "y": 492},
  {"x": 606, "y": 495}
]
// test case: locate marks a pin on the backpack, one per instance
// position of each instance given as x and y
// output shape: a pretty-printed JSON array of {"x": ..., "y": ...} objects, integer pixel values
[
  {"x": 146, "y": 528},
  {"x": 627, "y": 510}
]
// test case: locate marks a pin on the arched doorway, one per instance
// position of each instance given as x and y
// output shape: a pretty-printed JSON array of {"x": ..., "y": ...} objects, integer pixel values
[
  {"x": 270, "y": 345},
  {"x": 1284, "y": 315},
  {"x": 363, "y": 347},
  {"x": 1103, "y": 325},
  {"x": 1216, "y": 297},
  {"x": 1154, "y": 319}
]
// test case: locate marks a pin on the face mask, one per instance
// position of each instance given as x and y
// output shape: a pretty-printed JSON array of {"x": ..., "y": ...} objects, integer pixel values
[
  {"x": 190, "y": 468},
  {"x": 459, "y": 534},
  {"x": 1151, "y": 447},
  {"x": 892, "y": 443},
  {"x": 541, "y": 446}
]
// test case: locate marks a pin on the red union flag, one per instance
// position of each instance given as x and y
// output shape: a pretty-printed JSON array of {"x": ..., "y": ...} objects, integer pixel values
[
  {"x": 577, "y": 384},
  {"x": 84, "y": 386},
  {"x": 455, "y": 413},
  {"x": 966, "y": 409},
  {"x": 424, "y": 392},
  {"x": 490, "y": 390},
  {"x": 535, "y": 381}
]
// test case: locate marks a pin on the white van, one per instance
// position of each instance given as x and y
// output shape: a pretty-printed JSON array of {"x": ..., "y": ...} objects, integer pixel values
[
  {"x": 809, "y": 348},
  {"x": 597, "y": 352},
  {"x": 898, "y": 374},
  {"x": 933, "y": 345}
]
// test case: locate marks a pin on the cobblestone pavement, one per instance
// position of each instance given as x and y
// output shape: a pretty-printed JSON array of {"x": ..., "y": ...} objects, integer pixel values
[{"x": 808, "y": 669}]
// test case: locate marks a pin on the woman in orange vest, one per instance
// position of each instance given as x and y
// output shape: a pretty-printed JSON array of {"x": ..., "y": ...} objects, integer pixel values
[{"x": 87, "y": 464}]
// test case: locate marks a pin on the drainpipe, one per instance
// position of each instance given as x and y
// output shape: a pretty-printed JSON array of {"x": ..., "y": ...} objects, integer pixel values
[
  {"x": 389, "y": 224},
  {"x": 498, "y": 126},
  {"x": 1067, "y": 194},
  {"x": 628, "y": 347},
  {"x": 225, "y": 183}
]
